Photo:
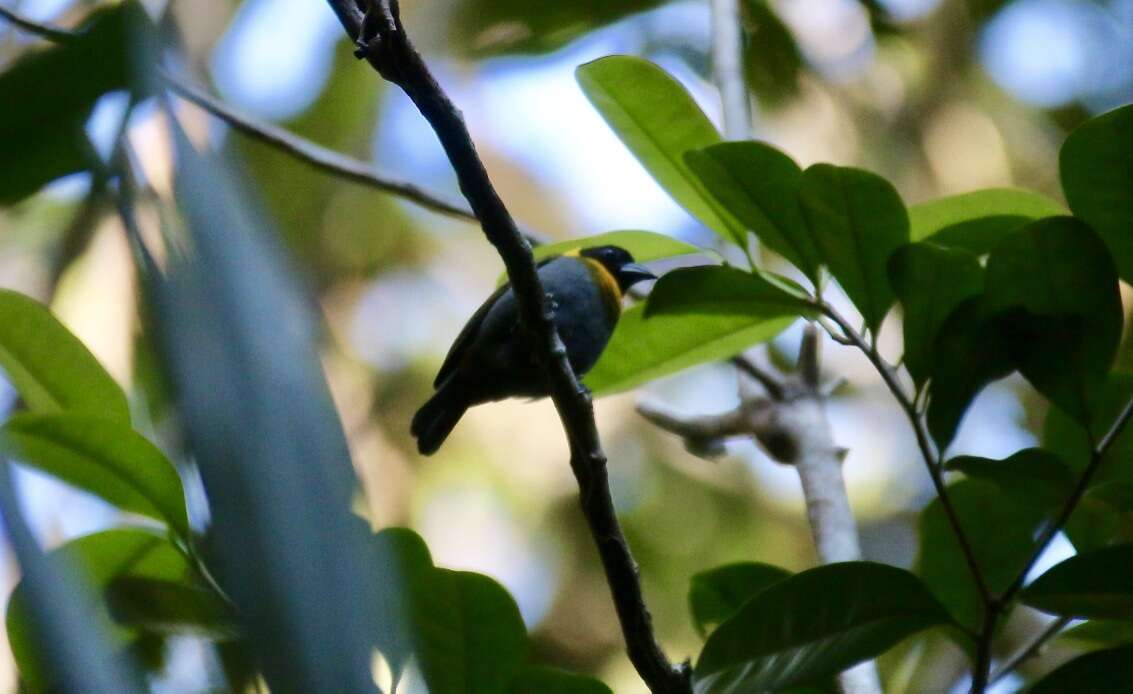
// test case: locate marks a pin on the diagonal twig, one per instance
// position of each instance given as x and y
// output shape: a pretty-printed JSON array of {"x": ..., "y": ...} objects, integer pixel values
[{"x": 383, "y": 42}]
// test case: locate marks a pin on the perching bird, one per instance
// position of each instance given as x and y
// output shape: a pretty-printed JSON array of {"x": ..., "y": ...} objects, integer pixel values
[{"x": 492, "y": 358}]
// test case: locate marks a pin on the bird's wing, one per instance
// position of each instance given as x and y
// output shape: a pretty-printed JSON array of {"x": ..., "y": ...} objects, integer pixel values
[{"x": 472, "y": 329}]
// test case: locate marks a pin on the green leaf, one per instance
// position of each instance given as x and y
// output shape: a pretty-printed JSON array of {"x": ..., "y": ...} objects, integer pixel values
[
  {"x": 470, "y": 635},
  {"x": 1057, "y": 285},
  {"x": 1001, "y": 534},
  {"x": 50, "y": 368},
  {"x": 240, "y": 346},
  {"x": 658, "y": 121},
  {"x": 977, "y": 221},
  {"x": 694, "y": 315},
  {"x": 45, "y": 134},
  {"x": 166, "y": 607},
  {"x": 644, "y": 246},
  {"x": 491, "y": 27},
  {"x": 858, "y": 220},
  {"x": 719, "y": 593},
  {"x": 1100, "y": 672},
  {"x": 97, "y": 559},
  {"x": 772, "y": 59},
  {"x": 102, "y": 457},
  {"x": 1101, "y": 632},
  {"x": 1096, "y": 164},
  {"x": 970, "y": 352},
  {"x": 547, "y": 680},
  {"x": 813, "y": 625},
  {"x": 757, "y": 184},
  {"x": 1031, "y": 476},
  {"x": 1093, "y": 585},
  {"x": 930, "y": 281}
]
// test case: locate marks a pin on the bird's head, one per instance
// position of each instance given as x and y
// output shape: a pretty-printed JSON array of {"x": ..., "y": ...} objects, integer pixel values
[{"x": 620, "y": 264}]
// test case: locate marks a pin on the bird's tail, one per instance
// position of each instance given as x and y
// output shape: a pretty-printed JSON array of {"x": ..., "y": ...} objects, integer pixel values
[{"x": 436, "y": 418}]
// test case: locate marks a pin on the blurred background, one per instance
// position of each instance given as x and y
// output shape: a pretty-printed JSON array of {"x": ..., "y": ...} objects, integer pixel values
[{"x": 939, "y": 96}]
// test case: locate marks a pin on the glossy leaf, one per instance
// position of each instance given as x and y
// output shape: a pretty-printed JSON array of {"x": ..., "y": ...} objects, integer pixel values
[
  {"x": 970, "y": 352},
  {"x": 102, "y": 457},
  {"x": 1100, "y": 672},
  {"x": 813, "y": 625},
  {"x": 658, "y": 121},
  {"x": 1001, "y": 553},
  {"x": 546, "y": 680},
  {"x": 1057, "y": 285},
  {"x": 977, "y": 221},
  {"x": 858, "y": 220},
  {"x": 1096, "y": 165},
  {"x": 1093, "y": 585},
  {"x": 757, "y": 184},
  {"x": 45, "y": 133},
  {"x": 97, "y": 559},
  {"x": 50, "y": 368},
  {"x": 1031, "y": 476},
  {"x": 693, "y": 316},
  {"x": 719, "y": 593},
  {"x": 241, "y": 349},
  {"x": 930, "y": 282}
]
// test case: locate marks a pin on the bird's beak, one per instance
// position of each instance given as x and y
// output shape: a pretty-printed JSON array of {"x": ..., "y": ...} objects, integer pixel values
[{"x": 632, "y": 273}]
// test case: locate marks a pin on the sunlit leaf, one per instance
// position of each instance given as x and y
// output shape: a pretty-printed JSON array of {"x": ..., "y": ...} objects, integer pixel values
[
  {"x": 1093, "y": 585},
  {"x": 658, "y": 121},
  {"x": 1100, "y": 672},
  {"x": 930, "y": 282},
  {"x": 50, "y": 368},
  {"x": 813, "y": 625},
  {"x": 858, "y": 220},
  {"x": 1000, "y": 532},
  {"x": 644, "y": 246},
  {"x": 717, "y": 594},
  {"x": 102, "y": 457},
  {"x": 978, "y": 220},
  {"x": 757, "y": 184},
  {"x": 1096, "y": 164},
  {"x": 693, "y": 316}
]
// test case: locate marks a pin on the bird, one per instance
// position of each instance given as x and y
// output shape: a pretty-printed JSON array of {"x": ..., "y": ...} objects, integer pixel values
[{"x": 493, "y": 358}]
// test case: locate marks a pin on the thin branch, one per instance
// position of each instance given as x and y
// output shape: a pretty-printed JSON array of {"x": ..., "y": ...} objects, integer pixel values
[
  {"x": 308, "y": 152},
  {"x": 45, "y": 31},
  {"x": 1031, "y": 650},
  {"x": 770, "y": 383},
  {"x": 727, "y": 68},
  {"x": 383, "y": 42},
  {"x": 1072, "y": 501},
  {"x": 931, "y": 459}
]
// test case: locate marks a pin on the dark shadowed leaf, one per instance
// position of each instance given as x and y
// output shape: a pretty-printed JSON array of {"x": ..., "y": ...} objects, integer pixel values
[
  {"x": 693, "y": 316},
  {"x": 50, "y": 368},
  {"x": 163, "y": 606},
  {"x": 547, "y": 680},
  {"x": 1096, "y": 164},
  {"x": 858, "y": 220},
  {"x": 1097, "y": 584},
  {"x": 45, "y": 134},
  {"x": 1031, "y": 476},
  {"x": 240, "y": 344},
  {"x": 97, "y": 559},
  {"x": 970, "y": 352},
  {"x": 103, "y": 457},
  {"x": 930, "y": 282},
  {"x": 1001, "y": 553},
  {"x": 977, "y": 221},
  {"x": 772, "y": 60},
  {"x": 402, "y": 570},
  {"x": 757, "y": 184},
  {"x": 1102, "y": 632},
  {"x": 813, "y": 625},
  {"x": 719, "y": 593},
  {"x": 1056, "y": 285},
  {"x": 1100, "y": 672},
  {"x": 658, "y": 121}
]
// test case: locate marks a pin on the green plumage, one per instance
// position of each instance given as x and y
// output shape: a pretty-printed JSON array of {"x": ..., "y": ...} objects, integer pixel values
[{"x": 493, "y": 358}]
